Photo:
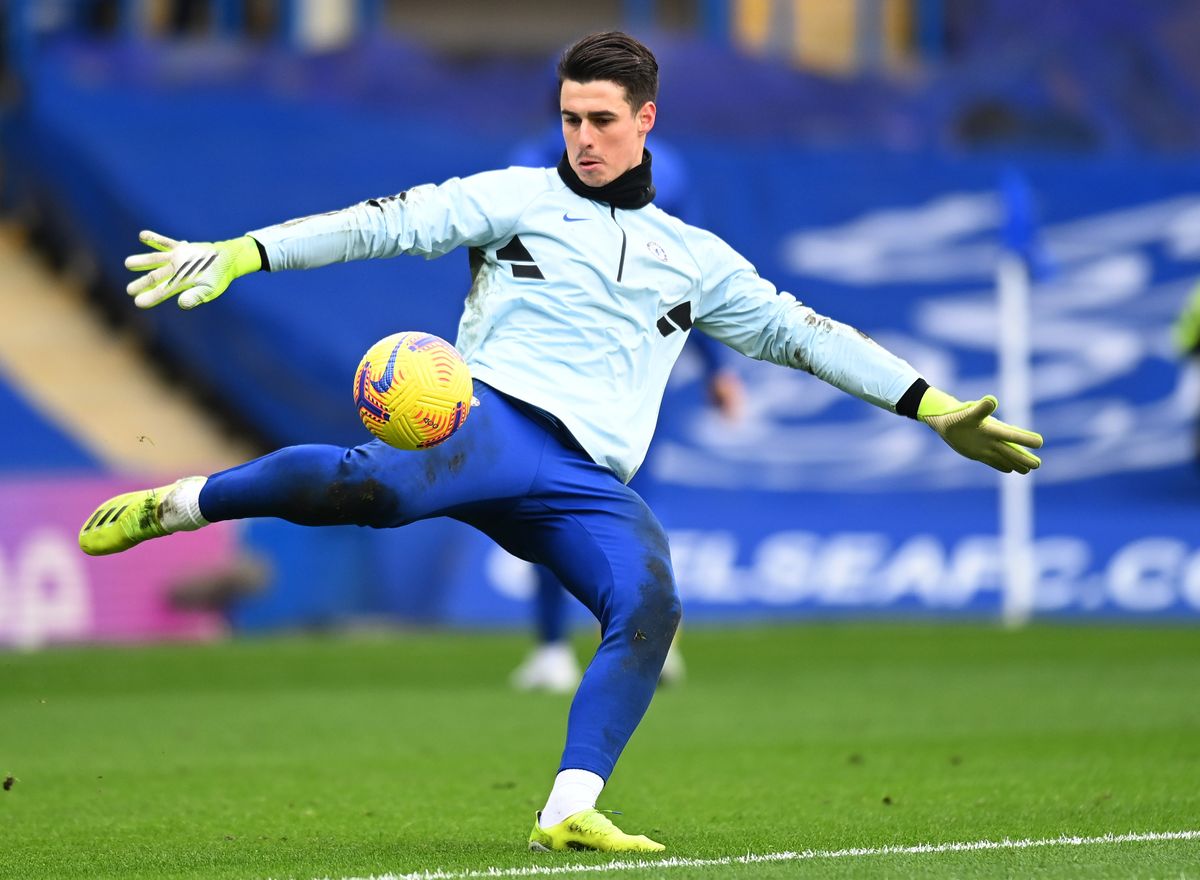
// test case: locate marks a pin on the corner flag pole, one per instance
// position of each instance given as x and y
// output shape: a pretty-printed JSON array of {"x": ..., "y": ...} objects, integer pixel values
[{"x": 1016, "y": 394}]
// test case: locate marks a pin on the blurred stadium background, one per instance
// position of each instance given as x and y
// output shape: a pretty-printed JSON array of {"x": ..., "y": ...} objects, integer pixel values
[
  {"x": 1006, "y": 192},
  {"x": 883, "y": 159}
]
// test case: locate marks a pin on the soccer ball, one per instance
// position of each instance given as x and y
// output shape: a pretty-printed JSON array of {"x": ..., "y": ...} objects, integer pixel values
[{"x": 412, "y": 390}]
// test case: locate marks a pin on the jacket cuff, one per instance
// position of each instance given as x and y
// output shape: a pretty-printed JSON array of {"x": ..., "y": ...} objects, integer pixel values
[{"x": 911, "y": 399}]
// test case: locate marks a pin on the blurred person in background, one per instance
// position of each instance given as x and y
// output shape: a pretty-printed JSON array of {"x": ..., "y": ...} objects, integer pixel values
[
  {"x": 583, "y": 295},
  {"x": 552, "y": 665}
]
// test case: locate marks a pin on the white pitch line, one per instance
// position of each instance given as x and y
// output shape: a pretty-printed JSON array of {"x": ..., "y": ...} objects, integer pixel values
[{"x": 804, "y": 855}]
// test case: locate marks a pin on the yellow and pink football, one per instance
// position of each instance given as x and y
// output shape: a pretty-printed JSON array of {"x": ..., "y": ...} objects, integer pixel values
[{"x": 412, "y": 390}]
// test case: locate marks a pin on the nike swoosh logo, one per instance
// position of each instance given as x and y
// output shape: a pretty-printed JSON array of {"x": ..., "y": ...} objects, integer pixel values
[{"x": 575, "y": 219}]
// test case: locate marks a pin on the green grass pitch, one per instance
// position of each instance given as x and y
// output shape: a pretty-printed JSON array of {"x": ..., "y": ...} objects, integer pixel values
[{"x": 389, "y": 754}]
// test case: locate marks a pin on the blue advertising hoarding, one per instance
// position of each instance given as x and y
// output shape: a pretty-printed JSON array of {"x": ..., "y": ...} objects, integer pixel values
[{"x": 815, "y": 503}]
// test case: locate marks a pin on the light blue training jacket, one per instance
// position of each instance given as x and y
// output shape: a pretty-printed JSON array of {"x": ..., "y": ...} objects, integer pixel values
[{"x": 579, "y": 307}]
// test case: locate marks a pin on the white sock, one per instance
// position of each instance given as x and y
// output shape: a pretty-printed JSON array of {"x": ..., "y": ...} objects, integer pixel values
[
  {"x": 558, "y": 650},
  {"x": 179, "y": 511},
  {"x": 574, "y": 790}
]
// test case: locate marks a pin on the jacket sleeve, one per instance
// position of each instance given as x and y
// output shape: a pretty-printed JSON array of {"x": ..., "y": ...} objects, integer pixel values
[
  {"x": 430, "y": 220},
  {"x": 748, "y": 314}
]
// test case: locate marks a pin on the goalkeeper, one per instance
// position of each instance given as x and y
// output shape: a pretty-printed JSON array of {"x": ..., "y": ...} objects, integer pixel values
[
  {"x": 583, "y": 294},
  {"x": 551, "y": 665}
]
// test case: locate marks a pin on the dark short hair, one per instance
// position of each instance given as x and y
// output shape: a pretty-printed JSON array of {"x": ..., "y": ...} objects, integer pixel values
[{"x": 615, "y": 57}]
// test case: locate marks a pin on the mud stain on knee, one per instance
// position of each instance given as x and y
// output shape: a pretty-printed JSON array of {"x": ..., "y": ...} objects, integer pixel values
[
  {"x": 654, "y": 623},
  {"x": 658, "y": 612},
  {"x": 362, "y": 502}
]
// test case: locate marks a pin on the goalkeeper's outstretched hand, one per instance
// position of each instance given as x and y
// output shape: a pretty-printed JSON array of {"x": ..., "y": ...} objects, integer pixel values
[
  {"x": 196, "y": 271},
  {"x": 970, "y": 430}
]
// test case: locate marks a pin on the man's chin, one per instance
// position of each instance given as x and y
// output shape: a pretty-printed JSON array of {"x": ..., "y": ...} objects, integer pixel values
[{"x": 599, "y": 177}]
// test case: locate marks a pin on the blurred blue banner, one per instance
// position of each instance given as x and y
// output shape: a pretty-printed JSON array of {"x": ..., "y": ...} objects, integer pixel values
[
  {"x": 817, "y": 503},
  {"x": 814, "y": 503}
]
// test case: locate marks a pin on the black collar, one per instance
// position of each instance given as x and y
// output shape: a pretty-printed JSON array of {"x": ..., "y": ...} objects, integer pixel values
[{"x": 633, "y": 189}]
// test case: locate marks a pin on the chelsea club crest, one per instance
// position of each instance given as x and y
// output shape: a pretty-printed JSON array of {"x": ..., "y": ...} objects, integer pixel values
[{"x": 657, "y": 249}]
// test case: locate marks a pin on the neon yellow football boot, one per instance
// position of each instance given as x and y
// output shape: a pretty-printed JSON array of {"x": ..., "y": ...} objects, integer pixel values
[
  {"x": 124, "y": 521},
  {"x": 588, "y": 829}
]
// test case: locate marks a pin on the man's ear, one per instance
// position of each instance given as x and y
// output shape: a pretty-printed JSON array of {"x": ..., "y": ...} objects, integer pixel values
[{"x": 646, "y": 117}]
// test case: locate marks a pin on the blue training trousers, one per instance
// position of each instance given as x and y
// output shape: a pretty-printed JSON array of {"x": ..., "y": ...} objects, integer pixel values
[{"x": 520, "y": 479}]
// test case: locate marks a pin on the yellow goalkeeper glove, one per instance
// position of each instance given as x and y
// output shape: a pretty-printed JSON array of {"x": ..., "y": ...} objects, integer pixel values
[
  {"x": 969, "y": 429},
  {"x": 196, "y": 271}
]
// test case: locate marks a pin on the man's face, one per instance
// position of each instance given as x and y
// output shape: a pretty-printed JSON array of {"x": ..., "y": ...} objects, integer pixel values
[{"x": 604, "y": 136}]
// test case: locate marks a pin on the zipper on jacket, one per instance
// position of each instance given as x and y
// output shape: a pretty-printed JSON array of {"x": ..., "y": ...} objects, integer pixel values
[{"x": 621, "y": 265}]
